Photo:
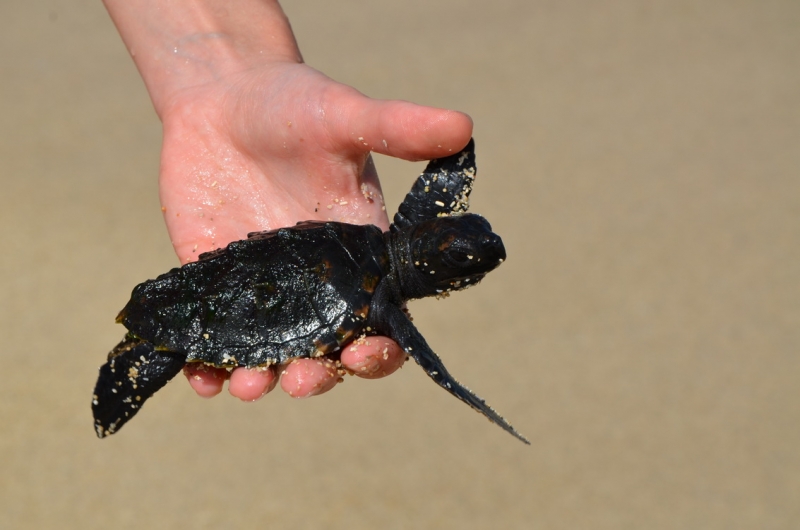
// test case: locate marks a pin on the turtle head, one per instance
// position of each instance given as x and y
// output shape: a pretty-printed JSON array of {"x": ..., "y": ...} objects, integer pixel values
[{"x": 452, "y": 253}]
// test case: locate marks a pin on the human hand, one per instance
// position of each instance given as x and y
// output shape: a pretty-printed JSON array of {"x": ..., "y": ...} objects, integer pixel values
[
  {"x": 255, "y": 140},
  {"x": 277, "y": 145}
]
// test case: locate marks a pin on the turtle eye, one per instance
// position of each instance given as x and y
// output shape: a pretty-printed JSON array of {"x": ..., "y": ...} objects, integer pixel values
[{"x": 458, "y": 257}]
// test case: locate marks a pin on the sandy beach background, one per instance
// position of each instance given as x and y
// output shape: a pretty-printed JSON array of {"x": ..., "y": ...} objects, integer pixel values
[{"x": 641, "y": 161}]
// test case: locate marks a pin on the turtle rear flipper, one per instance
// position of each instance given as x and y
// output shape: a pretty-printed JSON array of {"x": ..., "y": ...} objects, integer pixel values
[
  {"x": 442, "y": 189},
  {"x": 412, "y": 341},
  {"x": 135, "y": 371}
]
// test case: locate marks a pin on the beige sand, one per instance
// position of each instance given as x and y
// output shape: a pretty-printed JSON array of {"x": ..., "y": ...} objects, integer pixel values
[{"x": 640, "y": 159}]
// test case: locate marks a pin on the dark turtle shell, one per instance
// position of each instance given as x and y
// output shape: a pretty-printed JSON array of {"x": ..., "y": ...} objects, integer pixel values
[{"x": 278, "y": 295}]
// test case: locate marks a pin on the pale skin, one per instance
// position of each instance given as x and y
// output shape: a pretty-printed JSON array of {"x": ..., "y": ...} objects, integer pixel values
[{"x": 254, "y": 139}]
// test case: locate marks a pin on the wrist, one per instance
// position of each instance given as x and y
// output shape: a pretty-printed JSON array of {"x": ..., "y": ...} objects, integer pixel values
[{"x": 180, "y": 45}]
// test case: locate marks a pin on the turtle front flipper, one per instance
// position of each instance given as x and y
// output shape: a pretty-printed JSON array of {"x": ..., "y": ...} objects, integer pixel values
[
  {"x": 442, "y": 189},
  {"x": 411, "y": 340},
  {"x": 135, "y": 371}
]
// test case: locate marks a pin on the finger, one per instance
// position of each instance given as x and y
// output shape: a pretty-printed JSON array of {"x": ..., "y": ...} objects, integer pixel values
[
  {"x": 303, "y": 378},
  {"x": 205, "y": 380},
  {"x": 373, "y": 357},
  {"x": 411, "y": 132},
  {"x": 399, "y": 128},
  {"x": 251, "y": 384}
]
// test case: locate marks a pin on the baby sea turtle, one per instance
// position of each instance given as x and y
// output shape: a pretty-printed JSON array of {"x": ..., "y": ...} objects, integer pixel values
[{"x": 305, "y": 291}]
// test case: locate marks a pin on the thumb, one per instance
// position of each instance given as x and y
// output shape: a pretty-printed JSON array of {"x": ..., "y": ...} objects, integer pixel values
[{"x": 402, "y": 129}]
